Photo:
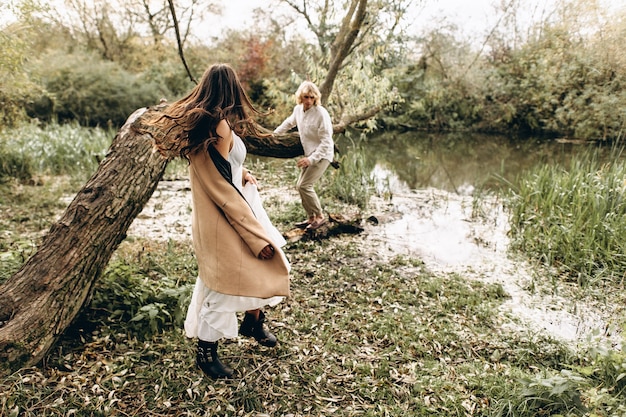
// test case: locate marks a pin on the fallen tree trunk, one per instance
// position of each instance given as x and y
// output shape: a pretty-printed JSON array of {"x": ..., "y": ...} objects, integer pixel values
[
  {"x": 41, "y": 300},
  {"x": 337, "y": 224}
]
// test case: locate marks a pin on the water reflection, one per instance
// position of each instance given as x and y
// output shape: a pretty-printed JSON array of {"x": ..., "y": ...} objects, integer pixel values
[{"x": 458, "y": 163}]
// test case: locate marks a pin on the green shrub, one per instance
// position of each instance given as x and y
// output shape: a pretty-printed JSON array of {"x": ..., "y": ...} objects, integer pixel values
[
  {"x": 145, "y": 295},
  {"x": 92, "y": 92},
  {"x": 352, "y": 183}
]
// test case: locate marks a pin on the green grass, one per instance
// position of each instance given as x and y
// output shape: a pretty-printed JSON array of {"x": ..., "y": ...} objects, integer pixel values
[
  {"x": 31, "y": 150},
  {"x": 359, "y": 336},
  {"x": 573, "y": 218}
]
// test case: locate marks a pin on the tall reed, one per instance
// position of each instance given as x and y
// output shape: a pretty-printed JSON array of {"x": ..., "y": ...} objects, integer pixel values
[
  {"x": 352, "y": 183},
  {"x": 53, "y": 149},
  {"x": 573, "y": 219}
]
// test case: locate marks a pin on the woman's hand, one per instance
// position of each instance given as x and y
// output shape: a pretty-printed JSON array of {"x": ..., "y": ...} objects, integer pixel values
[
  {"x": 249, "y": 178},
  {"x": 267, "y": 252}
]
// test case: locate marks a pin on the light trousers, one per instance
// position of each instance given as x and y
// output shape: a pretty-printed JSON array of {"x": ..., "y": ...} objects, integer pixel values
[{"x": 305, "y": 186}]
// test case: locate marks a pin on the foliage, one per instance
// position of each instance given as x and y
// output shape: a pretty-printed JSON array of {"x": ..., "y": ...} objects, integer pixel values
[
  {"x": 30, "y": 150},
  {"x": 16, "y": 89},
  {"x": 572, "y": 218},
  {"x": 399, "y": 338},
  {"x": 438, "y": 91},
  {"x": 14, "y": 164},
  {"x": 558, "y": 394},
  {"x": 145, "y": 294},
  {"x": 93, "y": 92},
  {"x": 558, "y": 84},
  {"x": 352, "y": 183},
  {"x": 563, "y": 79}
]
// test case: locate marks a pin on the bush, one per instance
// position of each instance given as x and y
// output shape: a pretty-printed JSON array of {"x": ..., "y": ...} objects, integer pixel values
[
  {"x": 147, "y": 294},
  {"x": 92, "y": 92}
]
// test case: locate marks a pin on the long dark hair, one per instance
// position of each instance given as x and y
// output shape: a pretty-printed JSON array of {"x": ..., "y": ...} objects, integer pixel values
[{"x": 191, "y": 122}]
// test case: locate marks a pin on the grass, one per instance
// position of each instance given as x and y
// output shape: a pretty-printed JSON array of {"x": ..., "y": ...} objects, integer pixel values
[
  {"x": 361, "y": 335},
  {"x": 53, "y": 150},
  {"x": 573, "y": 219},
  {"x": 358, "y": 336}
]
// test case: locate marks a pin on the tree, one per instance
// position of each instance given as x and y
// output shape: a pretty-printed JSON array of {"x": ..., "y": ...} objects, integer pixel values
[
  {"x": 42, "y": 299},
  {"x": 16, "y": 88},
  {"x": 120, "y": 31},
  {"x": 350, "y": 50}
]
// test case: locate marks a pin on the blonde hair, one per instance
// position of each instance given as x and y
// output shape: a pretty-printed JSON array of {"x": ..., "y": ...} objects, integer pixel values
[{"x": 310, "y": 89}]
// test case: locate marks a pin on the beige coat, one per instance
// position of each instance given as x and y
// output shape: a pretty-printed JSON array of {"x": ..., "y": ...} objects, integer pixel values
[{"x": 227, "y": 238}]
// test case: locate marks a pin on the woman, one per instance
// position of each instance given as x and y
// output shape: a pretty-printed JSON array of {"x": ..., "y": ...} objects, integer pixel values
[
  {"x": 240, "y": 264},
  {"x": 316, "y": 135}
]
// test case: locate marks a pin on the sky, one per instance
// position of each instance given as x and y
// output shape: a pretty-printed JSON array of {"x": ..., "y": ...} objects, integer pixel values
[
  {"x": 473, "y": 17},
  {"x": 471, "y": 14}
]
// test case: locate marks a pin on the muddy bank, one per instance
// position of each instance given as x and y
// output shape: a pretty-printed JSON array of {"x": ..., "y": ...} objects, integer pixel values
[{"x": 451, "y": 234}]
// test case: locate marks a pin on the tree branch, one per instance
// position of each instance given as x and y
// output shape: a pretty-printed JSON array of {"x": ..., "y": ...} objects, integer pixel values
[{"x": 179, "y": 42}]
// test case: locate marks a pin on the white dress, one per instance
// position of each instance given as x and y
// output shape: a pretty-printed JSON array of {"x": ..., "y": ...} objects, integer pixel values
[{"x": 212, "y": 315}]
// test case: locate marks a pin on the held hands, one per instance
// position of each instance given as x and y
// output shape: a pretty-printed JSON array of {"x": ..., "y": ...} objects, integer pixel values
[
  {"x": 267, "y": 252},
  {"x": 303, "y": 162}
]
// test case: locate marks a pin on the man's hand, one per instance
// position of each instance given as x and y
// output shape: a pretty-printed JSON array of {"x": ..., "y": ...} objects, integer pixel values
[{"x": 303, "y": 162}]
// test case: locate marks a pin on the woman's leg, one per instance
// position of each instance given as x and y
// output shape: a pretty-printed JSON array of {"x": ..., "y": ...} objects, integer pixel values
[
  {"x": 211, "y": 327},
  {"x": 252, "y": 326},
  {"x": 209, "y": 362}
]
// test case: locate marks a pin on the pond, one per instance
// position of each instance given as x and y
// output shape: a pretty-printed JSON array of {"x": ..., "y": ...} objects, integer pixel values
[
  {"x": 433, "y": 181},
  {"x": 458, "y": 163}
]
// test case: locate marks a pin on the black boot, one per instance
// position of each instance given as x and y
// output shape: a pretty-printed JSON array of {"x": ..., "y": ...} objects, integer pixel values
[
  {"x": 209, "y": 362},
  {"x": 254, "y": 328}
]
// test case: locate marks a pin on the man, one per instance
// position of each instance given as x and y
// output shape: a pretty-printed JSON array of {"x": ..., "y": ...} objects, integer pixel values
[{"x": 315, "y": 129}]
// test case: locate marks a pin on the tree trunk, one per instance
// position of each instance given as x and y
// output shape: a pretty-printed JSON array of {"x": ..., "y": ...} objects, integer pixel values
[
  {"x": 39, "y": 302},
  {"x": 343, "y": 43},
  {"x": 42, "y": 299},
  {"x": 280, "y": 146}
]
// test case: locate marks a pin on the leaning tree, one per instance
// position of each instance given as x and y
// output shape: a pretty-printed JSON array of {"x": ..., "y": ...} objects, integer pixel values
[{"x": 41, "y": 300}]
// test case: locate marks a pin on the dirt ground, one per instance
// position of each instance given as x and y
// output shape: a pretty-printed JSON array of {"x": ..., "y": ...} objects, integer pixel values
[{"x": 451, "y": 234}]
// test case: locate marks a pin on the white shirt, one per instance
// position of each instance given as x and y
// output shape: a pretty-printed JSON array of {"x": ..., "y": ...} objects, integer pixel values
[{"x": 316, "y": 131}]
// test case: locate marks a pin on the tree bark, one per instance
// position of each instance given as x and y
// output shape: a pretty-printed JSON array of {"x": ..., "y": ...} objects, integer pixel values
[
  {"x": 279, "y": 146},
  {"x": 337, "y": 224},
  {"x": 343, "y": 43},
  {"x": 42, "y": 299}
]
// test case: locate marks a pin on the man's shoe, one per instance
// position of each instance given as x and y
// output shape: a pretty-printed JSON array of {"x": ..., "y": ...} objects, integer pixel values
[
  {"x": 303, "y": 225},
  {"x": 317, "y": 223}
]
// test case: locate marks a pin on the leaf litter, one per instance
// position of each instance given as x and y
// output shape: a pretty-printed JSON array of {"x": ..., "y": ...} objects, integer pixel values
[{"x": 397, "y": 320}]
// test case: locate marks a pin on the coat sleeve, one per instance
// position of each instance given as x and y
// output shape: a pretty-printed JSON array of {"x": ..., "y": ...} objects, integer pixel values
[{"x": 230, "y": 201}]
